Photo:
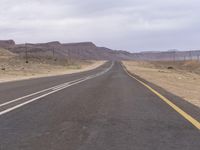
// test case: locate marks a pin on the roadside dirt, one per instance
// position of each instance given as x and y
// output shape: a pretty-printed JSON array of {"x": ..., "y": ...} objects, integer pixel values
[
  {"x": 13, "y": 67},
  {"x": 180, "y": 78}
]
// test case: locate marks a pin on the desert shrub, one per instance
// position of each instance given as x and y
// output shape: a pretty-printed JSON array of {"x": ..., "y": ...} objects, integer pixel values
[{"x": 170, "y": 67}]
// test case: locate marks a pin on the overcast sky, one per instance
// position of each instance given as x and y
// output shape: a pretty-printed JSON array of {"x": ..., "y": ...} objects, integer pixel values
[{"x": 134, "y": 25}]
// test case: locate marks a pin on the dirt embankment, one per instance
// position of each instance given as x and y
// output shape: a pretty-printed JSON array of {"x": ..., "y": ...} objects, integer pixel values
[
  {"x": 181, "y": 78},
  {"x": 14, "y": 67}
]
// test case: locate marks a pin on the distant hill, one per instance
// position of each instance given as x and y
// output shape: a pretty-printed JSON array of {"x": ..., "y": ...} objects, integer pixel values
[
  {"x": 167, "y": 55},
  {"x": 88, "y": 50},
  {"x": 83, "y": 50},
  {"x": 5, "y": 53},
  {"x": 7, "y": 44}
]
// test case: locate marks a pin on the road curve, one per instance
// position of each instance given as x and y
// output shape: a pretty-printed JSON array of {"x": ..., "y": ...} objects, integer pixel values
[{"x": 110, "y": 111}]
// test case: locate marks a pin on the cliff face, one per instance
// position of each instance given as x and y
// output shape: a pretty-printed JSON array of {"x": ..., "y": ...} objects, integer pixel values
[
  {"x": 7, "y": 43},
  {"x": 88, "y": 50},
  {"x": 83, "y": 50}
]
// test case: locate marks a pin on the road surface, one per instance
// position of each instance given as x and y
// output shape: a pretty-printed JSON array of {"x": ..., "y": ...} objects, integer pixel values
[{"x": 102, "y": 109}]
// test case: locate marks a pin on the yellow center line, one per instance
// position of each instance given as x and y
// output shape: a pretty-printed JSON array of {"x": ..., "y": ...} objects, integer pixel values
[{"x": 176, "y": 108}]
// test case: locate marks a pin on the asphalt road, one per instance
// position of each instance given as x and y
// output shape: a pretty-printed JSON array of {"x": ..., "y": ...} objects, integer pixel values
[{"x": 102, "y": 109}]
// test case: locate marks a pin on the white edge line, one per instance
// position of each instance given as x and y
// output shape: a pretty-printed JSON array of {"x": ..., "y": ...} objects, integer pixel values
[
  {"x": 51, "y": 88},
  {"x": 34, "y": 99}
]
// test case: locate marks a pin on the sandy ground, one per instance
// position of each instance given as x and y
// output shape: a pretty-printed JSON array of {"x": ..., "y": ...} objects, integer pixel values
[
  {"x": 182, "y": 80},
  {"x": 13, "y": 67}
]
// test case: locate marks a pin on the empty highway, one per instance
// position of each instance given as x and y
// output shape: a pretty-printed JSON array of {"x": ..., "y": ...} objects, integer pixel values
[{"x": 102, "y": 109}]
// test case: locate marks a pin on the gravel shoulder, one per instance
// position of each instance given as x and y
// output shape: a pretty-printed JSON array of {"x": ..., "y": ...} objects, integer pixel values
[{"x": 179, "y": 78}]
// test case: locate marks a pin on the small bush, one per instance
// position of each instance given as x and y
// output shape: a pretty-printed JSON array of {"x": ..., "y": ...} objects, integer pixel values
[{"x": 170, "y": 67}]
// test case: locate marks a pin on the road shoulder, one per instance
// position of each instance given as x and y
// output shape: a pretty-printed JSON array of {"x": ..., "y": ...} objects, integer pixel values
[
  {"x": 50, "y": 73},
  {"x": 189, "y": 108}
]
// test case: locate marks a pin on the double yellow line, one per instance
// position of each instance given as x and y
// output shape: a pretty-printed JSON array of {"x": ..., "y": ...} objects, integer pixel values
[{"x": 176, "y": 108}]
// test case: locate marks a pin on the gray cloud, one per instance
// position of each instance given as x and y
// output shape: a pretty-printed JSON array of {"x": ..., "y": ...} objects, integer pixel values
[{"x": 129, "y": 24}]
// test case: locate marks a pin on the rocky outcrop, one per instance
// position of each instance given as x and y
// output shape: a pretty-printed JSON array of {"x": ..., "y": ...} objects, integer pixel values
[
  {"x": 7, "y": 44},
  {"x": 83, "y": 50},
  {"x": 88, "y": 50}
]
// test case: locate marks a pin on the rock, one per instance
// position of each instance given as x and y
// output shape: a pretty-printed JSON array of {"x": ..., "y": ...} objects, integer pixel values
[{"x": 3, "y": 68}]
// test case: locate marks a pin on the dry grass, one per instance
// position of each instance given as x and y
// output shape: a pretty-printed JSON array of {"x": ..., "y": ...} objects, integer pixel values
[
  {"x": 13, "y": 67},
  {"x": 183, "y": 79}
]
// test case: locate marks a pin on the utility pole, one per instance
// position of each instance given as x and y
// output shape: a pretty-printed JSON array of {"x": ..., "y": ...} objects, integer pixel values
[
  {"x": 26, "y": 52},
  {"x": 174, "y": 56},
  {"x": 190, "y": 54},
  {"x": 53, "y": 52}
]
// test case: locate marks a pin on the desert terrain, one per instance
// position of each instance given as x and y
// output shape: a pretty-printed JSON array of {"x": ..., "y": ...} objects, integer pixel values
[
  {"x": 14, "y": 66},
  {"x": 181, "y": 78}
]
